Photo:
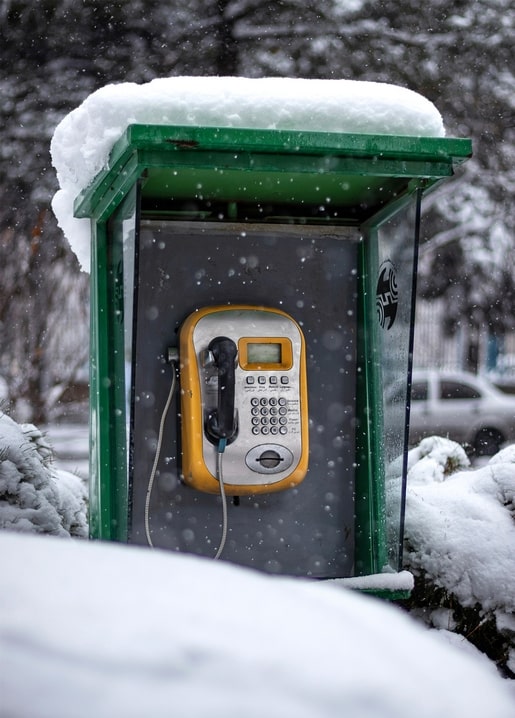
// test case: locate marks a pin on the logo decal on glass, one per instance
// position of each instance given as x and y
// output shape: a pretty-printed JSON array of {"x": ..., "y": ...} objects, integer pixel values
[{"x": 387, "y": 295}]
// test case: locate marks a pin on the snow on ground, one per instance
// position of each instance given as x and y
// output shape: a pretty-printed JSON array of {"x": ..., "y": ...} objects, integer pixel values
[
  {"x": 83, "y": 140},
  {"x": 90, "y": 629},
  {"x": 101, "y": 629}
]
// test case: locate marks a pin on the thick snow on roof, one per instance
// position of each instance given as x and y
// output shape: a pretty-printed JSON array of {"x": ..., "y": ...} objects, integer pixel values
[
  {"x": 92, "y": 629},
  {"x": 83, "y": 140}
]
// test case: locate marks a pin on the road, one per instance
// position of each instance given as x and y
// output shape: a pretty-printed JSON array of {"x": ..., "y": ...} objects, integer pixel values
[{"x": 70, "y": 443}]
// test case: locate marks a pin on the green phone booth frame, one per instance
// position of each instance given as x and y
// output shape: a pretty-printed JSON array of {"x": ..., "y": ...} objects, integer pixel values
[{"x": 368, "y": 180}]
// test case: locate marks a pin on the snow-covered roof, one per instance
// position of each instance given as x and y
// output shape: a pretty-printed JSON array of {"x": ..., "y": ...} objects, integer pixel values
[{"x": 83, "y": 140}]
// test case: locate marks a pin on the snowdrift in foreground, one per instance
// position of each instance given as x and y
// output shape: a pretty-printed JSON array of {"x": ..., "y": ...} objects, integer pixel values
[
  {"x": 101, "y": 630},
  {"x": 34, "y": 496},
  {"x": 83, "y": 140}
]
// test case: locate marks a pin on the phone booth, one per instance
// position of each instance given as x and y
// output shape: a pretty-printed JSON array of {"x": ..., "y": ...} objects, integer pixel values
[{"x": 252, "y": 324}]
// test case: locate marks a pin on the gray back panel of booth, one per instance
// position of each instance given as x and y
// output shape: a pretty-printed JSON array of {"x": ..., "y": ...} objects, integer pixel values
[{"x": 309, "y": 272}]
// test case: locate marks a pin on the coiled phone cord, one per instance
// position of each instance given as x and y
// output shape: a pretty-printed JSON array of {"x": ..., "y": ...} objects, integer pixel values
[{"x": 219, "y": 470}]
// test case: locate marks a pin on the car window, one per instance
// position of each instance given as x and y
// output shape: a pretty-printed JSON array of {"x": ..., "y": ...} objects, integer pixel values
[
  {"x": 419, "y": 391},
  {"x": 458, "y": 390}
]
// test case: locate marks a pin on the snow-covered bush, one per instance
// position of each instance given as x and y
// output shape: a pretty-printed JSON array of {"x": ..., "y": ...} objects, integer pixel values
[
  {"x": 35, "y": 496},
  {"x": 459, "y": 543}
]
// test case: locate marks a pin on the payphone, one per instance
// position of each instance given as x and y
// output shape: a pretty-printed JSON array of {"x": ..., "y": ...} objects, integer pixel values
[
  {"x": 244, "y": 394},
  {"x": 243, "y": 404}
]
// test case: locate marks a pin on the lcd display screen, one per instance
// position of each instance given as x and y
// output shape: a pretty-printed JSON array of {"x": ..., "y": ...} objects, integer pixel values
[{"x": 261, "y": 353}]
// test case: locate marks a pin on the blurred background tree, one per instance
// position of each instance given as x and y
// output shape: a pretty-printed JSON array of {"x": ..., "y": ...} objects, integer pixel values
[{"x": 456, "y": 53}]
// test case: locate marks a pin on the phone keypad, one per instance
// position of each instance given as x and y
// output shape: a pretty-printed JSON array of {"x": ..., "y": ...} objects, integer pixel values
[{"x": 269, "y": 416}]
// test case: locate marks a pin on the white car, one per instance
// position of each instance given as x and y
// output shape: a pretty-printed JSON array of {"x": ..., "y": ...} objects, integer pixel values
[{"x": 462, "y": 407}]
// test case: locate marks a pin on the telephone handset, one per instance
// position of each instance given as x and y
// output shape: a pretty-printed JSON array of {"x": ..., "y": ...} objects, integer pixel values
[
  {"x": 221, "y": 422},
  {"x": 243, "y": 383}
]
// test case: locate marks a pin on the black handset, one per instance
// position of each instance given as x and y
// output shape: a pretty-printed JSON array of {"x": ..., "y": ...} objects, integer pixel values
[{"x": 221, "y": 423}]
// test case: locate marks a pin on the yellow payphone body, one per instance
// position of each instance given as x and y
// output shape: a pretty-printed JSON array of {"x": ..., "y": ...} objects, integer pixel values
[{"x": 243, "y": 393}]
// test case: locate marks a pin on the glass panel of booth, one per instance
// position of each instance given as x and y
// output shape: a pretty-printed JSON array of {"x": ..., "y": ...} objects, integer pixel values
[{"x": 393, "y": 279}]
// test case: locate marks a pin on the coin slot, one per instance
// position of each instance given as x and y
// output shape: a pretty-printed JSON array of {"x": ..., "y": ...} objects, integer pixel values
[{"x": 269, "y": 458}]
